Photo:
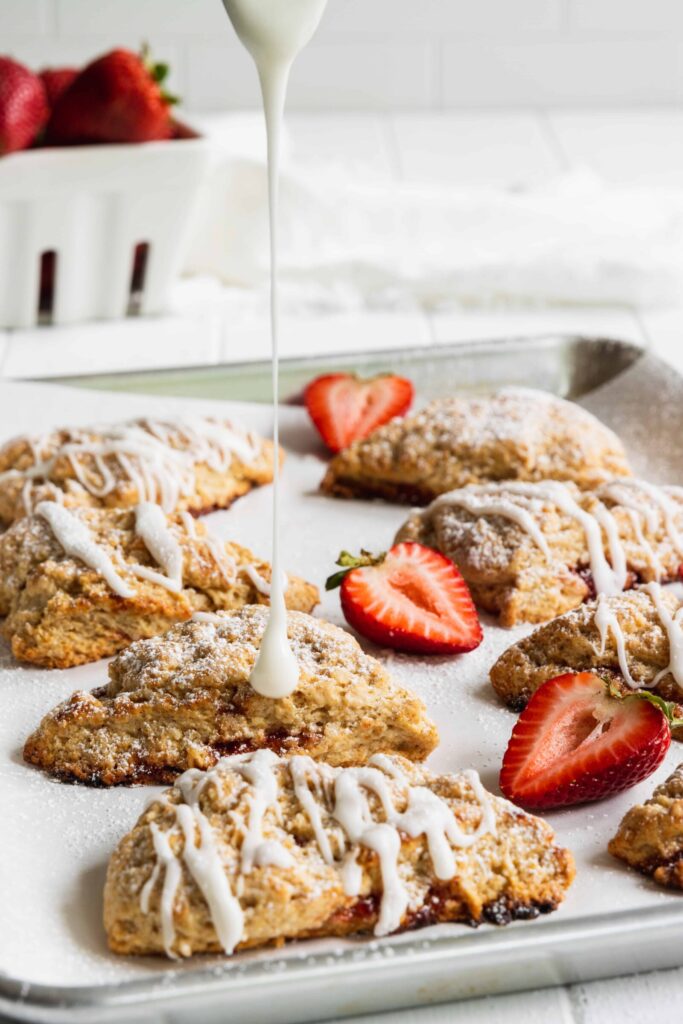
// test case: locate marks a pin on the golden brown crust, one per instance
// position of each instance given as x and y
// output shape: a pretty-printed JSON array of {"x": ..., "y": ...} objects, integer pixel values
[
  {"x": 183, "y": 700},
  {"x": 650, "y": 836},
  {"x": 211, "y": 478},
  {"x": 507, "y": 571},
  {"x": 60, "y": 613},
  {"x": 515, "y": 434},
  {"x": 572, "y": 643},
  {"x": 515, "y": 872}
]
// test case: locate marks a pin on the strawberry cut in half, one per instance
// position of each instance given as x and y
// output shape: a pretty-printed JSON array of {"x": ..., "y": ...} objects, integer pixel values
[
  {"x": 411, "y": 598},
  {"x": 580, "y": 739},
  {"x": 346, "y": 408}
]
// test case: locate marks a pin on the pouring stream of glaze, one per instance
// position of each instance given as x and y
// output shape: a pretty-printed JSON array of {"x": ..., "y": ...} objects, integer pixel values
[{"x": 274, "y": 32}]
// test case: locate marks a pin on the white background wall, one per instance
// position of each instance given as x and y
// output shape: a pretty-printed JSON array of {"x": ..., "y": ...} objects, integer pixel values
[{"x": 410, "y": 54}]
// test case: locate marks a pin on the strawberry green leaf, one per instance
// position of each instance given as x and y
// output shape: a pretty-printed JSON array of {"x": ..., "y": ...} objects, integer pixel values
[
  {"x": 349, "y": 562},
  {"x": 159, "y": 72},
  {"x": 668, "y": 708}
]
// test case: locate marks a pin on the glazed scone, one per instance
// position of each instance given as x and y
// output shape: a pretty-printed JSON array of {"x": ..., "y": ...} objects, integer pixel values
[
  {"x": 531, "y": 551},
  {"x": 261, "y": 849},
  {"x": 650, "y": 836},
  {"x": 184, "y": 699},
  {"x": 194, "y": 463},
  {"x": 634, "y": 640},
  {"x": 514, "y": 434},
  {"x": 81, "y": 584}
]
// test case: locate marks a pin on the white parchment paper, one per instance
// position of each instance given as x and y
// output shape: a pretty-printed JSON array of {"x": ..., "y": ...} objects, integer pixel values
[{"x": 55, "y": 839}]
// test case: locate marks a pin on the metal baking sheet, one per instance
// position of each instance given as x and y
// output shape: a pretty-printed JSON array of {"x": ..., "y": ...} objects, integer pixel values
[{"x": 56, "y": 839}]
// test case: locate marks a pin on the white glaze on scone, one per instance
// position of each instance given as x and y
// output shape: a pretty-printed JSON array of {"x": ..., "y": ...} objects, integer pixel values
[
  {"x": 531, "y": 551},
  {"x": 184, "y": 699},
  {"x": 79, "y": 584},
  {"x": 263, "y": 848},
  {"x": 191, "y": 462},
  {"x": 634, "y": 639}
]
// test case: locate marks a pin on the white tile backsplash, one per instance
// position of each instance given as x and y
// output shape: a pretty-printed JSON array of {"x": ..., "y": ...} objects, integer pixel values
[
  {"x": 618, "y": 16},
  {"x": 20, "y": 17},
  {"x": 369, "y": 74},
  {"x": 179, "y": 18},
  {"x": 435, "y": 17},
  {"x": 387, "y": 54},
  {"x": 550, "y": 73}
]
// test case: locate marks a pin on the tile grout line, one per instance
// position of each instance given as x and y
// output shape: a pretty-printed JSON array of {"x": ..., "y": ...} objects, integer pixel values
[
  {"x": 392, "y": 145},
  {"x": 552, "y": 140}
]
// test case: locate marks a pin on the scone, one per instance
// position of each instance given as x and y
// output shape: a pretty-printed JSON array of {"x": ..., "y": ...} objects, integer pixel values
[
  {"x": 531, "y": 551},
  {"x": 514, "y": 434},
  {"x": 80, "y": 584},
  {"x": 183, "y": 700},
  {"x": 262, "y": 849},
  {"x": 634, "y": 639},
  {"x": 193, "y": 463},
  {"x": 650, "y": 836}
]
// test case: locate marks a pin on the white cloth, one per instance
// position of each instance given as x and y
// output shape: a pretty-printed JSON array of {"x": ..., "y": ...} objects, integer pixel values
[{"x": 345, "y": 241}]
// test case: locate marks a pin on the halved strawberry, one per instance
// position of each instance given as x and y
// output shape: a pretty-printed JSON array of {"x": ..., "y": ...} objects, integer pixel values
[
  {"x": 580, "y": 739},
  {"x": 346, "y": 408},
  {"x": 411, "y": 598}
]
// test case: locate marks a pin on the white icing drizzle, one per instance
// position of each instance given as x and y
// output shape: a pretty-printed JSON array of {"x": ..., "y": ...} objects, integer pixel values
[
  {"x": 212, "y": 617},
  {"x": 259, "y": 772},
  {"x": 651, "y": 502},
  {"x": 636, "y": 520},
  {"x": 151, "y": 526},
  {"x": 146, "y": 891},
  {"x": 390, "y": 768},
  {"x": 606, "y": 621},
  {"x": 674, "y": 631},
  {"x": 144, "y": 453},
  {"x": 339, "y": 794},
  {"x": 204, "y": 861},
  {"x": 527, "y": 498},
  {"x": 77, "y": 541},
  {"x": 274, "y": 33},
  {"x": 189, "y": 523},
  {"x": 263, "y": 586},
  {"x": 224, "y": 563},
  {"x": 351, "y": 873},
  {"x": 300, "y": 769},
  {"x": 475, "y": 501},
  {"x": 166, "y": 859}
]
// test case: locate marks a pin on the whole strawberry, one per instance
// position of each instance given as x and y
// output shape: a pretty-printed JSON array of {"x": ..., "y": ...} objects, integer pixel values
[
  {"x": 116, "y": 98},
  {"x": 56, "y": 81},
  {"x": 23, "y": 106}
]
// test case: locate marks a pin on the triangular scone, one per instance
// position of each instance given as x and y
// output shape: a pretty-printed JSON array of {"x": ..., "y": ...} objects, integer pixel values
[
  {"x": 184, "y": 699},
  {"x": 532, "y": 550},
  {"x": 650, "y": 836},
  {"x": 514, "y": 434},
  {"x": 262, "y": 849},
  {"x": 626, "y": 639},
  {"x": 81, "y": 584},
  {"x": 194, "y": 463}
]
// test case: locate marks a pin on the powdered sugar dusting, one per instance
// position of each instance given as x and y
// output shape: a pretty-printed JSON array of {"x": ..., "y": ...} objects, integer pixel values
[{"x": 53, "y": 907}]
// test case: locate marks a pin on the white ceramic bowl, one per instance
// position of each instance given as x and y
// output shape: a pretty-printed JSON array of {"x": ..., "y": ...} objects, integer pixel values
[{"x": 81, "y": 213}]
